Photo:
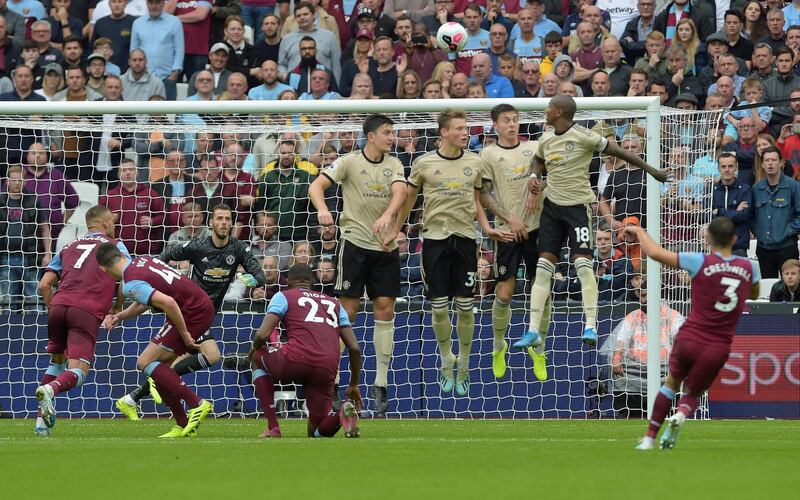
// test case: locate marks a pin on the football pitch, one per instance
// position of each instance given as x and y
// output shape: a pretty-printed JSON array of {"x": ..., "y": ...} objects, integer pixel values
[{"x": 404, "y": 459}]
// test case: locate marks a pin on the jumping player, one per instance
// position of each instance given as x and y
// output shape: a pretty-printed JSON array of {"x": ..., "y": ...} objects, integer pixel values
[
  {"x": 565, "y": 154},
  {"x": 314, "y": 324},
  {"x": 721, "y": 282},
  {"x": 214, "y": 259},
  {"x": 151, "y": 282},
  {"x": 84, "y": 297}
]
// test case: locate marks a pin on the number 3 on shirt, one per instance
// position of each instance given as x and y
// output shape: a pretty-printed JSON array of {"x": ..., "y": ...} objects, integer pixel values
[
  {"x": 312, "y": 317},
  {"x": 729, "y": 292}
]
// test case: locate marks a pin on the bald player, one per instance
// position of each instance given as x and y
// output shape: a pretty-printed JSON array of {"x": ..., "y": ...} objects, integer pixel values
[{"x": 565, "y": 152}]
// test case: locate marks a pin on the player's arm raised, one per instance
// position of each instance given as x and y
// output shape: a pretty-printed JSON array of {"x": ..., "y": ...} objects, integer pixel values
[
  {"x": 628, "y": 157},
  {"x": 488, "y": 201},
  {"x": 387, "y": 219},
  {"x": 651, "y": 248},
  {"x": 316, "y": 192},
  {"x": 354, "y": 352}
]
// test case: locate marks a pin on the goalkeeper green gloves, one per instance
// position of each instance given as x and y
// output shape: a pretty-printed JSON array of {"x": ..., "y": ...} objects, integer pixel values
[{"x": 248, "y": 280}]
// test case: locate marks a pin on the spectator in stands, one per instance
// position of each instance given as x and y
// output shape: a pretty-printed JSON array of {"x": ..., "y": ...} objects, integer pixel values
[
  {"x": 700, "y": 12},
  {"x": 328, "y": 47},
  {"x": 52, "y": 190},
  {"x": 238, "y": 187},
  {"x": 117, "y": 27},
  {"x": 325, "y": 277},
  {"x": 62, "y": 24},
  {"x": 498, "y": 38},
  {"x": 789, "y": 138},
  {"x": 208, "y": 186},
  {"x": 738, "y": 45},
  {"x": 284, "y": 191},
  {"x": 410, "y": 273},
  {"x": 788, "y": 288},
  {"x": 524, "y": 41},
  {"x": 299, "y": 78},
  {"x": 362, "y": 87},
  {"x": 629, "y": 358},
  {"x": 269, "y": 264},
  {"x": 236, "y": 88},
  {"x": 76, "y": 89},
  {"x": 303, "y": 254},
  {"x": 253, "y": 13},
  {"x": 728, "y": 66},
  {"x": 414, "y": 9},
  {"x": 528, "y": 85},
  {"x": 15, "y": 141},
  {"x": 731, "y": 198},
  {"x": 320, "y": 87},
  {"x": 217, "y": 65},
  {"x": 637, "y": 29},
  {"x": 637, "y": 83},
  {"x": 326, "y": 246},
  {"x": 457, "y": 87},
  {"x": 550, "y": 85},
  {"x": 565, "y": 71},
  {"x": 780, "y": 86},
  {"x": 160, "y": 36},
  {"x": 137, "y": 83},
  {"x": 96, "y": 71},
  {"x": 654, "y": 59},
  {"x": 53, "y": 81},
  {"x": 242, "y": 57},
  {"x": 195, "y": 17},
  {"x": 268, "y": 39},
  {"x": 600, "y": 84},
  {"x": 265, "y": 242},
  {"x": 762, "y": 62},
  {"x": 193, "y": 226},
  {"x": 432, "y": 89},
  {"x": 41, "y": 34},
  {"x": 424, "y": 56},
  {"x": 138, "y": 212},
  {"x": 776, "y": 215},
  {"x": 618, "y": 70},
  {"x": 9, "y": 50},
  {"x": 776, "y": 38},
  {"x": 72, "y": 52},
  {"x": 744, "y": 149},
  {"x": 108, "y": 145},
  {"x": 754, "y": 20},
  {"x": 409, "y": 85},
  {"x": 23, "y": 225},
  {"x": 763, "y": 143},
  {"x": 382, "y": 69},
  {"x": 761, "y": 115},
  {"x": 496, "y": 86},
  {"x": 174, "y": 189},
  {"x": 407, "y": 147},
  {"x": 271, "y": 88},
  {"x": 625, "y": 187},
  {"x": 320, "y": 18},
  {"x": 15, "y": 23}
]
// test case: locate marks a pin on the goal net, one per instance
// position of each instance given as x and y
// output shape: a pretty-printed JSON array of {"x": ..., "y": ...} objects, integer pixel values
[{"x": 160, "y": 166}]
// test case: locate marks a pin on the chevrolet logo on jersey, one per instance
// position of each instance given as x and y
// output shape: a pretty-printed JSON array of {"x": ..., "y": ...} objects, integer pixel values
[
  {"x": 375, "y": 188},
  {"x": 217, "y": 272},
  {"x": 454, "y": 185},
  {"x": 516, "y": 172}
]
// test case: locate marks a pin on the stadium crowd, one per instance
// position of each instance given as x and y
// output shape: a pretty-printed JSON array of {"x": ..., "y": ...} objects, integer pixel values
[{"x": 693, "y": 54}]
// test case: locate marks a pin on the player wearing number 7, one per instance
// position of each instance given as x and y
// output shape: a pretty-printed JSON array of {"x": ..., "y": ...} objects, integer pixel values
[
  {"x": 565, "y": 153},
  {"x": 151, "y": 282},
  {"x": 84, "y": 297},
  {"x": 721, "y": 282}
]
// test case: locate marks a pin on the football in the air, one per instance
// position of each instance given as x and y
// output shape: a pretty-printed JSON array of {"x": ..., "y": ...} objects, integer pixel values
[{"x": 451, "y": 37}]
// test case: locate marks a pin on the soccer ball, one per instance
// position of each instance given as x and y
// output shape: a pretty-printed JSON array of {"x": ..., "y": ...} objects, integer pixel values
[{"x": 451, "y": 37}]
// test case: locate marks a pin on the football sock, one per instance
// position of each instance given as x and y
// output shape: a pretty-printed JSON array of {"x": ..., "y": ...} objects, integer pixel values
[
  {"x": 328, "y": 426},
  {"x": 501, "y": 313},
  {"x": 53, "y": 371},
  {"x": 442, "y": 328},
  {"x": 660, "y": 410},
  {"x": 173, "y": 402},
  {"x": 544, "y": 326},
  {"x": 140, "y": 392},
  {"x": 67, "y": 380},
  {"x": 687, "y": 405},
  {"x": 191, "y": 364},
  {"x": 465, "y": 329},
  {"x": 383, "y": 338},
  {"x": 167, "y": 378},
  {"x": 540, "y": 291},
  {"x": 265, "y": 391},
  {"x": 586, "y": 275}
]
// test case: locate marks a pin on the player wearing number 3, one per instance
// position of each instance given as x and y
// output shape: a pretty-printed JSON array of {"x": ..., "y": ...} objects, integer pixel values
[
  {"x": 565, "y": 153},
  {"x": 84, "y": 297},
  {"x": 151, "y": 282}
]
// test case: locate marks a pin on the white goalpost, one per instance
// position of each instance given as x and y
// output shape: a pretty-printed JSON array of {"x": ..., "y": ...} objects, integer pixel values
[{"x": 249, "y": 134}]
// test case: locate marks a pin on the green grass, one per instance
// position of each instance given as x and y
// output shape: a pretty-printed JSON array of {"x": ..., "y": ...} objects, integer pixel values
[{"x": 405, "y": 459}]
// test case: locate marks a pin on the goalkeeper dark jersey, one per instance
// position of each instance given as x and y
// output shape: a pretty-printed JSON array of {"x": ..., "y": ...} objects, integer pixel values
[{"x": 214, "y": 268}]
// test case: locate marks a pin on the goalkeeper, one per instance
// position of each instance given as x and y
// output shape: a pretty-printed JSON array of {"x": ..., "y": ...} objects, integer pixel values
[{"x": 214, "y": 261}]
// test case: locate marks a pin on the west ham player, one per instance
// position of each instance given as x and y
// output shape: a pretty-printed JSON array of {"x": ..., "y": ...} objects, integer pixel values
[
  {"x": 84, "y": 297},
  {"x": 152, "y": 283},
  {"x": 721, "y": 282},
  {"x": 565, "y": 154},
  {"x": 507, "y": 169},
  {"x": 314, "y": 324},
  {"x": 374, "y": 190},
  {"x": 451, "y": 179},
  {"x": 214, "y": 261}
]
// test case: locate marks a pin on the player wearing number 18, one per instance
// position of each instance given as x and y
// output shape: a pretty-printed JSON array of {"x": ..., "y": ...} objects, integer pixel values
[
  {"x": 84, "y": 297},
  {"x": 721, "y": 282},
  {"x": 152, "y": 283},
  {"x": 565, "y": 154}
]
